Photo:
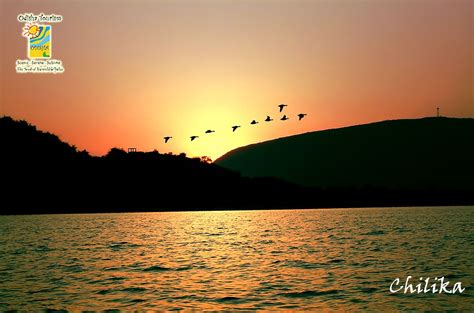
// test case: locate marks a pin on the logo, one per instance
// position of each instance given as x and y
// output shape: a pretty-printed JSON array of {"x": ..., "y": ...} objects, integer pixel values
[
  {"x": 38, "y": 34},
  {"x": 39, "y": 41}
]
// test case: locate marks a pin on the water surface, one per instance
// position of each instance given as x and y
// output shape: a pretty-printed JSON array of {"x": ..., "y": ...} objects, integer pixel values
[{"x": 338, "y": 259}]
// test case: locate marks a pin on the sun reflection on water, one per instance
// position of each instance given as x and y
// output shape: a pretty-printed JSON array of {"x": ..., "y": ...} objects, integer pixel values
[{"x": 338, "y": 259}]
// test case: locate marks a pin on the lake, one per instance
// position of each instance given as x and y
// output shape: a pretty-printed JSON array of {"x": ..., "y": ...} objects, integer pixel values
[{"x": 330, "y": 259}]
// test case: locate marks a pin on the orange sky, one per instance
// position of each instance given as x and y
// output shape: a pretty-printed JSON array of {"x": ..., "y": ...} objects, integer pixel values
[{"x": 139, "y": 70}]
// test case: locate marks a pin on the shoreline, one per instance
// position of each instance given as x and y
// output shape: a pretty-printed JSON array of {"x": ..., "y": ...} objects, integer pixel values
[{"x": 244, "y": 209}]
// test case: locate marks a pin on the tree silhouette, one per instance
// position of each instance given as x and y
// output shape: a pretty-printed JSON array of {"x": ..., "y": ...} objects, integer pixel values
[{"x": 206, "y": 159}]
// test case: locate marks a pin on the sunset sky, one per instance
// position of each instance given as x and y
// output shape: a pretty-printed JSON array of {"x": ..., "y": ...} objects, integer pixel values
[{"x": 136, "y": 71}]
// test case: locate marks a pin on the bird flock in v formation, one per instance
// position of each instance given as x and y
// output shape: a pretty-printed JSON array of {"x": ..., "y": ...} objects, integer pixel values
[{"x": 253, "y": 122}]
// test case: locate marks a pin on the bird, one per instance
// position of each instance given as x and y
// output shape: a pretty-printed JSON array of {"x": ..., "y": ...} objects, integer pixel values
[
  {"x": 282, "y": 106},
  {"x": 210, "y": 131},
  {"x": 253, "y": 122},
  {"x": 193, "y": 137},
  {"x": 284, "y": 118},
  {"x": 235, "y": 127},
  {"x": 268, "y": 119},
  {"x": 301, "y": 115},
  {"x": 167, "y": 138}
]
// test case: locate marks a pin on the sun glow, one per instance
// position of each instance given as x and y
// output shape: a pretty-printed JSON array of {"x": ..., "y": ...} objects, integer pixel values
[
  {"x": 211, "y": 66},
  {"x": 217, "y": 120}
]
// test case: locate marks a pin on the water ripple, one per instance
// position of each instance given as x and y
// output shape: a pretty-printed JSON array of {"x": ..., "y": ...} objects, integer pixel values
[
  {"x": 313, "y": 260},
  {"x": 309, "y": 293}
]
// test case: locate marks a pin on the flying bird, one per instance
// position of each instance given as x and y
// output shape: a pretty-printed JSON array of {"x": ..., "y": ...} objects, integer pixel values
[
  {"x": 253, "y": 122},
  {"x": 234, "y": 128},
  {"x": 193, "y": 137},
  {"x": 167, "y": 138},
  {"x": 284, "y": 118},
  {"x": 268, "y": 119},
  {"x": 282, "y": 106},
  {"x": 210, "y": 131},
  {"x": 301, "y": 115}
]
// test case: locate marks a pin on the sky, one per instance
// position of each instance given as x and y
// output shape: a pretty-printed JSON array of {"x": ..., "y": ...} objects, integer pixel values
[{"x": 136, "y": 71}]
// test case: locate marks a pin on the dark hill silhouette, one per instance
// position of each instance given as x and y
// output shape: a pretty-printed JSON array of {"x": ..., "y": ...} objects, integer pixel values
[
  {"x": 42, "y": 174},
  {"x": 22, "y": 140},
  {"x": 410, "y": 154}
]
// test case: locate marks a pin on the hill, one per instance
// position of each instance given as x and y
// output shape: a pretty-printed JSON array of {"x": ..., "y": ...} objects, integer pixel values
[
  {"x": 434, "y": 153},
  {"x": 42, "y": 174}
]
